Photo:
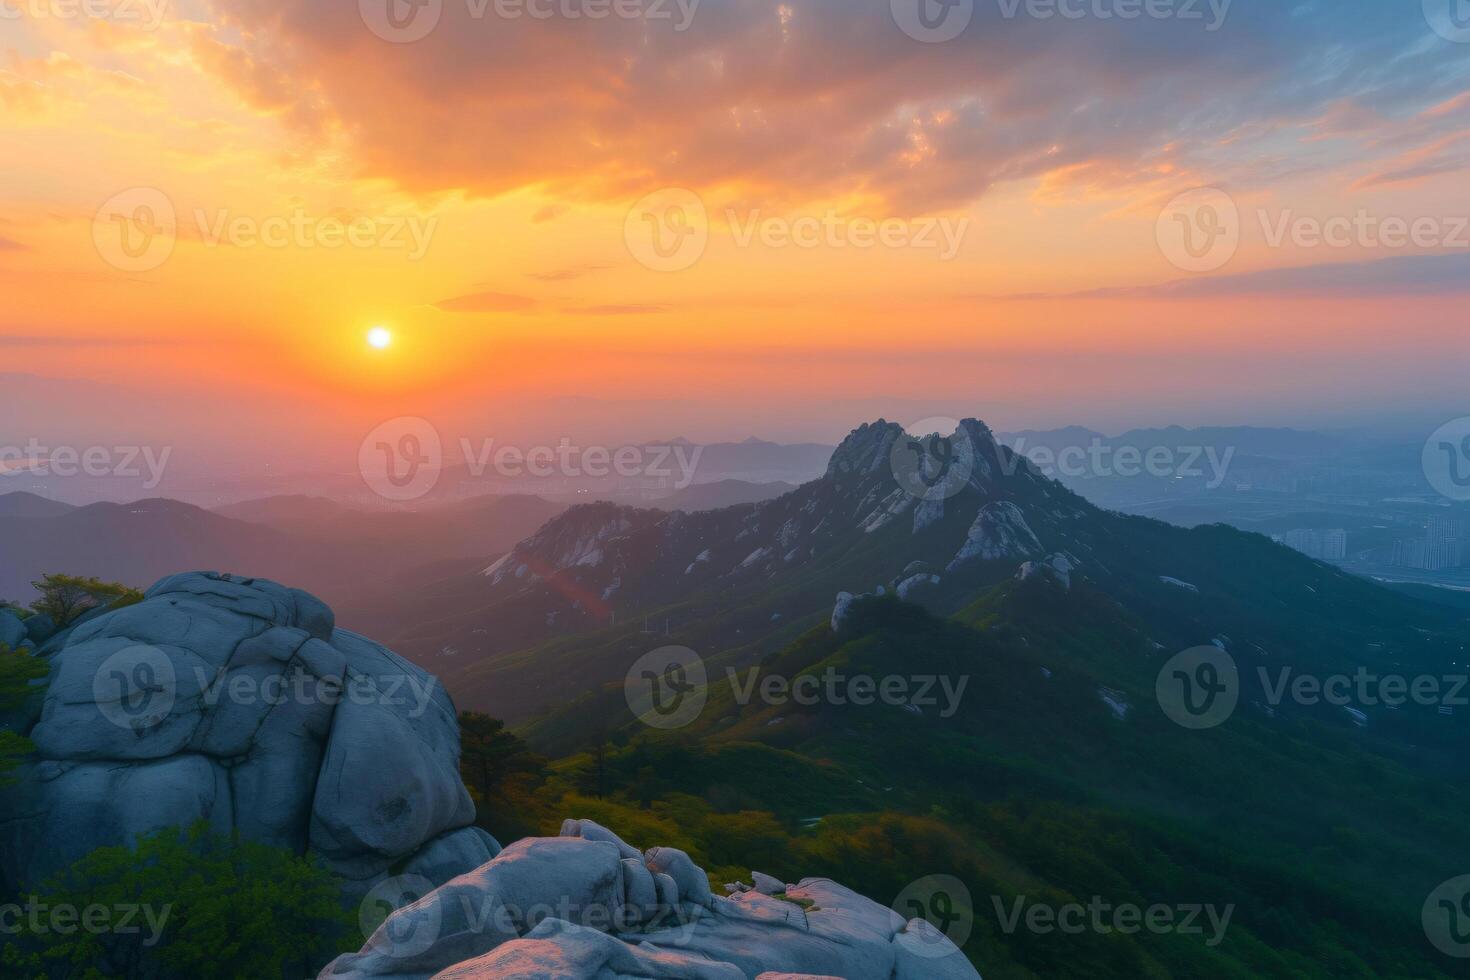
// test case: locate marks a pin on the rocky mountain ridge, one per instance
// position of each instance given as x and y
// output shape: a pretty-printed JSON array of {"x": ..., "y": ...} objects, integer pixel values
[
  {"x": 861, "y": 490},
  {"x": 886, "y": 501}
]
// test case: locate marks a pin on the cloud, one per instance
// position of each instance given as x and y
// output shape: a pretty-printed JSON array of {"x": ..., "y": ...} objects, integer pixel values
[
  {"x": 83, "y": 343},
  {"x": 567, "y": 274},
  {"x": 613, "y": 309},
  {"x": 7, "y": 245},
  {"x": 1416, "y": 275},
  {"x": 31, "y": 85},
  {"x": 1447, "y": 156},
  {"x": 486, "y": 303},
  {"x": 549, "y": 213},
  {"x": 817, "y": 99}
]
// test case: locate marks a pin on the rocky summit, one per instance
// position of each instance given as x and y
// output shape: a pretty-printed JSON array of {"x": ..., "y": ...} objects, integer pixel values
[
  {"x": 588, "y": 905},
  {"x": 237, "y": 702}
]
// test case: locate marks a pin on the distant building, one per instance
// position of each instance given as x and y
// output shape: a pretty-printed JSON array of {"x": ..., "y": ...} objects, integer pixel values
[
  {"x": 1409, "y": 553},
  {"x": 1444, "y": 545},
  {"x": 1329, "y": 545}
]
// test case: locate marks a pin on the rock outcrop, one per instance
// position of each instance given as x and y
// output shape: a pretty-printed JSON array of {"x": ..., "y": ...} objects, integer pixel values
[
  {"x": 13, "y": 632},
  {"x": 587, "y": 905},
  {"x": 1000, "y": 532},
  {"x": 1058, "y": 567},
  {"x": 237, "y": 702}
]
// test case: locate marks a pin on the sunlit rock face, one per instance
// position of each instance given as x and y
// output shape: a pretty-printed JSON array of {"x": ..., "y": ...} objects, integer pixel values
[
  {"x": 587, "y": 905},
  {"x": 237, "y": 702}
]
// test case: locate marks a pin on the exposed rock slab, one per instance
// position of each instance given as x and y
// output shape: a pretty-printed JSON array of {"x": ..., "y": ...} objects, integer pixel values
[{"x": 578, "y": 907}]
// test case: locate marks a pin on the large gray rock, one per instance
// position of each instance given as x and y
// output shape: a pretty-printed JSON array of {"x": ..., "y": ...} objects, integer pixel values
[
  {"x": 238, "y": 702},
  {"x": 446, "y": 857},
  {"x": 90, "y": 804},
  {"x": 576, "y": 907},
  {"x": 13, "y": 630},
  {"x": 558, "y": 950},
  {"x": 40, "y": 628}
]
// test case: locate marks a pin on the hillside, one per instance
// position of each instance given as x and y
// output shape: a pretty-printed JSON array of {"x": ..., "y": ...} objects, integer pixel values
[
  {"x": 23, "y": 504},
  {"x": 1322, "y": 837},
  {"x": 336, "y": 552}
]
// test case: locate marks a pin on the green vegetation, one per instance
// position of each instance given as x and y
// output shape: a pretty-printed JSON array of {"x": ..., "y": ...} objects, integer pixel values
[
  {"x": 501, "y": 774},
  {"x": 182, "y": 904},
  {"x": 18, "y": 672},
  {"x": 66, "y": 597},
  {"x": 1324, "y": 839}
]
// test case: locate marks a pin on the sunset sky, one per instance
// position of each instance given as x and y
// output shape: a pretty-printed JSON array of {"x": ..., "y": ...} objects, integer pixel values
[{"x": 490, "y": 174}]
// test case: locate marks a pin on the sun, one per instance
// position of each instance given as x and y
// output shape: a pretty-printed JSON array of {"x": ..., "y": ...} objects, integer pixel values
[{"x": 379, "y": 338}]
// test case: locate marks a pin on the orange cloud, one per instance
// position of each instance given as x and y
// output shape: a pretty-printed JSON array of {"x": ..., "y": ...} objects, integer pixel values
[
  {"x": 486, "y": 303},
  {"x": 816, "y": 98}
]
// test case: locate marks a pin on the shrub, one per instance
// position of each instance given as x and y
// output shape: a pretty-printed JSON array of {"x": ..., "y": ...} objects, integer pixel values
[{"x": 185, "y": 903}]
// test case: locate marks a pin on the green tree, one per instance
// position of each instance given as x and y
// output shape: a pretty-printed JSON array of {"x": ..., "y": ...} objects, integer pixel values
[
  {"x": 502, "y": 774},
  {"x": 207, "y": 906},
  {"x": 17, "y": 672},
  {"x": 66, "y": 597},
  {"x": 490, "y": 754}
]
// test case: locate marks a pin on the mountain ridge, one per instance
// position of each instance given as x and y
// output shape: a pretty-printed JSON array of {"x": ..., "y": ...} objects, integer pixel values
[{"x": 576, "y": 599}]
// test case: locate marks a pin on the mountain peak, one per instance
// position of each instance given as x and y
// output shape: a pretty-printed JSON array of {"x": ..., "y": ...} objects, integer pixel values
[
  {"x": 22, "y": 503},
  {"x": 866, "y": 449},
  {"x": 979, "y": 433},
  {"x": 870, "y": 446}
]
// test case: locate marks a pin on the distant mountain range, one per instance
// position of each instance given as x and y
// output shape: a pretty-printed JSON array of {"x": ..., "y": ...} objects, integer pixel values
[
  {"x": 332, "y": 550},
  {"x": 21, "y": 504},
  {"x": 753, "y": 461},
  {"x": 757, "y": 460},
  {"x": 288, "y": 511},
  {"x": 725, "y": 493},
  {"x": 1243, "y": 440},
  {"x": 745, "y": 472}
]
